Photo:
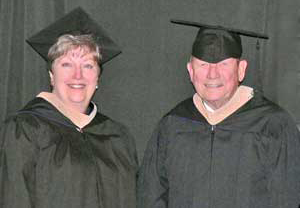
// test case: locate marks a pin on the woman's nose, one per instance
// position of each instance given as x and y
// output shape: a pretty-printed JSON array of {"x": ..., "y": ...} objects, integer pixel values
[{"x": 78, "y": 72}]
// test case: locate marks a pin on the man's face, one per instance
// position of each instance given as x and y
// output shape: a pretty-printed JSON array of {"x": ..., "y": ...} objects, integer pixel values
[{"x": 216, "y": 83}]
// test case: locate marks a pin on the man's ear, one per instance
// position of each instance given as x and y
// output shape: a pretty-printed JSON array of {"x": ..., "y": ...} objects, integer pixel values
[
  {"x": 190, "y": 70},
  {"x": 242, "y": 69}
]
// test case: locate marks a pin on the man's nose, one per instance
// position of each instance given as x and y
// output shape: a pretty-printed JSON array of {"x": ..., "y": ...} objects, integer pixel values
[{"x": 213, "y": 71}]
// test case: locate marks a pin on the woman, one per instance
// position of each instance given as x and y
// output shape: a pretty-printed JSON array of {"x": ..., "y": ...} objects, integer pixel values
[{"x": 58, "y": 151}]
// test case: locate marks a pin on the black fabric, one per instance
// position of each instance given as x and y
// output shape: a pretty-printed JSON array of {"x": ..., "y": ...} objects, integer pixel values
[
  {"x": 76, "y": 22},
  {"x": 143, "y": 83},
  {"x": 218, "y": 27},
  {"x": 215, "y": 43},
  {"x": 251, "y": 159},
  {"x": 46, "y": 161},
  {"x": 89, "y": 109},
  {"x": 214, "y": 46}
]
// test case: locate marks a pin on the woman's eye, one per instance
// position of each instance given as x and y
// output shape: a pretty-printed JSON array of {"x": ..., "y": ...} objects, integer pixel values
[
  {"x": 88, "y": 66},
  {"x": 65, "y": 64}
]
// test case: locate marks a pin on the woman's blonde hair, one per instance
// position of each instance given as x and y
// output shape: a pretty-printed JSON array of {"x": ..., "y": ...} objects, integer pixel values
[{"x": 68, "y": 42}]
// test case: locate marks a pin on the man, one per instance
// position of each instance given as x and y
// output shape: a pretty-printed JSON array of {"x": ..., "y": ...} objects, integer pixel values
[{"x": 227, "y": 146}]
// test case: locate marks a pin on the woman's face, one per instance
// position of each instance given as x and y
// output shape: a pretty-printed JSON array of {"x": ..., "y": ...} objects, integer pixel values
[{"x": 74, "y": 78}]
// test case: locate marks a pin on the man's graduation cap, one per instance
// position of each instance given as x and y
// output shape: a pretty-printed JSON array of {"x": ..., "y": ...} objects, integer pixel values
[
  {"x": 216, "y": 43},
  {"x": 77, "y": 22}
]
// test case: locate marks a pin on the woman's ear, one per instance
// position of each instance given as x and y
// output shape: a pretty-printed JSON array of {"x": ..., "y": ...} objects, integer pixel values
[{"x": 51, "y": 78}]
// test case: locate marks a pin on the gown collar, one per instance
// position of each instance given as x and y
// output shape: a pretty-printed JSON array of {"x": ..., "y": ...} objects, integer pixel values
[
  {"x": 241, "y": 96},
  {"x": 79, "y": 119}
]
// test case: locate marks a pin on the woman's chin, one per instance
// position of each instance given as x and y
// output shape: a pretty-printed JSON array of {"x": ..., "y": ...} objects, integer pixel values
[{"x": 78, "y": 100}]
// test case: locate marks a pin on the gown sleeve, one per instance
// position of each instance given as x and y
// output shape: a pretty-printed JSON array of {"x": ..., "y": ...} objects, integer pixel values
[
  {"x": 152, "y": 179},
  {"x": 17, "y": 176},
  {"x": 127, "y": 186},
  {"x": 285, "y": 181}
]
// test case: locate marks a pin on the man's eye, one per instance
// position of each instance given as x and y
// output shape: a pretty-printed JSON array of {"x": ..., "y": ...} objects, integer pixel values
[
  {"x": 203, "y": 65},
  {"x": 224, "y": 63}
]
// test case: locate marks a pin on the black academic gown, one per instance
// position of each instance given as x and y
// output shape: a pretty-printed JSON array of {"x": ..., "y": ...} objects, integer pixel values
[
  {"x": 45, "y": 162},
  {"x": 249, "y": 160}
]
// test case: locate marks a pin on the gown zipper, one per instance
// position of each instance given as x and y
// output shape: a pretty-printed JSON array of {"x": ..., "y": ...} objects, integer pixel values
[{"x": 212, "y": 138}]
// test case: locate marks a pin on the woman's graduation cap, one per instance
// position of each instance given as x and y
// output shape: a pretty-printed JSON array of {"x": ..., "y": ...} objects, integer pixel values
[
  {"x": 77, "y": 22},
  {"x": 216, "y": 43}
]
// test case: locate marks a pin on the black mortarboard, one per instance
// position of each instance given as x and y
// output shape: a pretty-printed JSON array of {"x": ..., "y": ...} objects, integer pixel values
[
  {"x": 216, "y": 43},
  {"x": 77, "y": 22}
]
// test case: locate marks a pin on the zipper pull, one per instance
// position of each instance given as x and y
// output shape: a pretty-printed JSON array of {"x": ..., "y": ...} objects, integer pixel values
[
  {"x": 213, "y": 128},
  {"x": 79, "y": 129}
]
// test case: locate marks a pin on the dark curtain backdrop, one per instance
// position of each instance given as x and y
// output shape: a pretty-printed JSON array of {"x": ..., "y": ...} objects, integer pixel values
[{"x": 150, "y": 77}]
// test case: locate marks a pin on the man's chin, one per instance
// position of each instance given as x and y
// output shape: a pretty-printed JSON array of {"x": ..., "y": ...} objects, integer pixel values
[{"x": 215, "y": 103}]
